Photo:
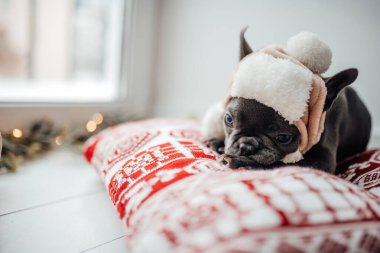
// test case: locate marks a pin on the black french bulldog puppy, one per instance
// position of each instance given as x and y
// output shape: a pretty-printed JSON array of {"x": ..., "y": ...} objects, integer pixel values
[{"x": 258, "y": 137}]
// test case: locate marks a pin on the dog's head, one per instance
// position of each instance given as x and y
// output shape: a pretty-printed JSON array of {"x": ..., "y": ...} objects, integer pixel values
[
  {"x": 256, "y": 135},
  {"x": 260, "y": 135}
]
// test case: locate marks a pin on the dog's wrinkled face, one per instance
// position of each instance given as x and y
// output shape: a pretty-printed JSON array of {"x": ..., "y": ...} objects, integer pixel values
[{"x": 256, "y": 135}]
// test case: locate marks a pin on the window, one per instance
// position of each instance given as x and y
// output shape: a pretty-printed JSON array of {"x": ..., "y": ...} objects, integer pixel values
[{"x": 61, "y": 50}]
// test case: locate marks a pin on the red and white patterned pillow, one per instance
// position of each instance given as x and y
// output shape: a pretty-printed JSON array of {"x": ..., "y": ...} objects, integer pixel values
[
  {"x": 174, "y": 197},
  {"x": 363, "y": 170}
]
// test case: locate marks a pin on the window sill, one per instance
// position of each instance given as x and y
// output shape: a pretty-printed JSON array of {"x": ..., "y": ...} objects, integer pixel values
[{"x": 57, "y": 92}]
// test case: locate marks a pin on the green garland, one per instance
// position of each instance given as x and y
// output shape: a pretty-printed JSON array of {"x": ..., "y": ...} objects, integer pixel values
[{"x": 43, "y": 135}]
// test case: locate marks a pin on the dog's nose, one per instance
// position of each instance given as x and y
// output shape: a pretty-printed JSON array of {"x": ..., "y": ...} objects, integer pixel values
[{"x": 247, "y": 149}]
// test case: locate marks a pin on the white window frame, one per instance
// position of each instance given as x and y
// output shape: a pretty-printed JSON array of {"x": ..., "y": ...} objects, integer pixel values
[
  {"x": 79, "y": 90},
  {"x": 136, "y": 75}
]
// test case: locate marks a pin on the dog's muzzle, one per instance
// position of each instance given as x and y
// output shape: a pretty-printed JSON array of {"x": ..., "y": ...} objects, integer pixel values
[
  {"x": 248, "y": 148},
  {"x": 247, "y": 151}
]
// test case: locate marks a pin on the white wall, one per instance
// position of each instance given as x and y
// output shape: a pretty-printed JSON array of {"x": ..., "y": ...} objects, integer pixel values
[{"x": 198, "y": 45}]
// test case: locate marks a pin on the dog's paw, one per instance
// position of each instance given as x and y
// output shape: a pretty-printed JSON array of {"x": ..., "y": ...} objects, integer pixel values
[
  {"x": 241, "y": 162},
  {"x": 216, "y": 145},
  {"x": 234, "y": 162}
]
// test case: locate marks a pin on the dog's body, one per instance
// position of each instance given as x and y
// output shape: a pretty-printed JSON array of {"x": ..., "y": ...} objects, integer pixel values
[
  {"x": 347, "y": 132},
  {"x": 256, "y": 136}
]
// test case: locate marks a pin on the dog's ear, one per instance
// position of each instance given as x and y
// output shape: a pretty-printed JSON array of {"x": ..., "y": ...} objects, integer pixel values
[
  {"x": 337, "y": 82},
  {"x": 245, "y": 49}
]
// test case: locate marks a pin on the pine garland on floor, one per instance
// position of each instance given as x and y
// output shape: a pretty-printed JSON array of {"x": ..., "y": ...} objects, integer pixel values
[{"x": 42, "y": 136}]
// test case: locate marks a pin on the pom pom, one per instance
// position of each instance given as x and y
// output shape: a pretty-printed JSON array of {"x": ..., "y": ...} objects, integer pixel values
[{"x": 310, "y": 51}]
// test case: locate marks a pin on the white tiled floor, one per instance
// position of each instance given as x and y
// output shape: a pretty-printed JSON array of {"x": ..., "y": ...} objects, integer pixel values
[{"x": 57, "y": 204}]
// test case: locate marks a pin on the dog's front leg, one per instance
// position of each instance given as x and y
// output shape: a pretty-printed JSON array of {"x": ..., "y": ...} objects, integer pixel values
[
  {"x": 319, "y": 158},
  {"x": 235, "y": 162},
  {"x": 216, "y": 145}
]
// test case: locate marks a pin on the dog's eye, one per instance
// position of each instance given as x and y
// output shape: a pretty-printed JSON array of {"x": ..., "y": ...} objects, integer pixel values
[
  {"x": 228, "y": 120},
  {"x": 284, "y": 138}
]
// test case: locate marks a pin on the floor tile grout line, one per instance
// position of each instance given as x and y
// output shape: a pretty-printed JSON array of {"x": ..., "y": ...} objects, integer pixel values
[
  {"x": 102, "y": 244},
  {"x": 53, "y": 202}
]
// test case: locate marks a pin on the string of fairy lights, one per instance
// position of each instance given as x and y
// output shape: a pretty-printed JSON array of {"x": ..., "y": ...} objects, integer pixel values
[
  {"x": 20, "y": 145},
  {"x": 91, "y": 126},
  {"x": 96, "y": 120}
]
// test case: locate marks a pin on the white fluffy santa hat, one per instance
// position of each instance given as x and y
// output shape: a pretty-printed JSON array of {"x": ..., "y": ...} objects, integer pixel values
[
  {"x": 282, "y": 79},
  {"x": 289, "y": 81}
]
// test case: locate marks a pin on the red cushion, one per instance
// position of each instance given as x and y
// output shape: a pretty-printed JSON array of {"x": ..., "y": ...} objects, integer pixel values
[{"x": 174, "y": 197}]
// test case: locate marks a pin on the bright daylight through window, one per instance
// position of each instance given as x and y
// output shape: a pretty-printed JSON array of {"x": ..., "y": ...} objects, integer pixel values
[{"x": 60, "y": 51}]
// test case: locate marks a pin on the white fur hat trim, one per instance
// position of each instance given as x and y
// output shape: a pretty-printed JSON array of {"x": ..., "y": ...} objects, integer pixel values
[
  {"x": 293, "y": 157},
  {"x": 212, "y": 123},
  {"x": 277, "y": 83},
  {"x": 310, "y": 51}
]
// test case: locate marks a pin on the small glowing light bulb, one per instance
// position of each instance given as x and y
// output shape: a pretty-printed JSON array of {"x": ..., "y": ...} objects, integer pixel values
[
  {"x": 98, "y": 118},
  {"x": 17, "y": 133},
  {"x": 59, "y": 140},
  {"x": 91, "y": 126}
]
